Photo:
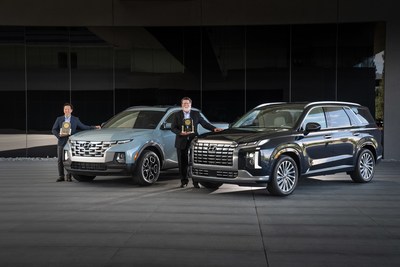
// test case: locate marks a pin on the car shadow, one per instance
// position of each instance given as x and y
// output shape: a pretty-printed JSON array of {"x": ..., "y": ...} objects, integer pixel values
[{"x": 318, "y": 184}]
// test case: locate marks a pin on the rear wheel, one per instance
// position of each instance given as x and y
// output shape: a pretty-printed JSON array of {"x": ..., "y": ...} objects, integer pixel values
[
  {"x": 211, "y": 185},
  {"x": 83, "y": 178},
  {"x": 148, "y": 169},
  {"x": 365, "y": 167},
  {"x": 284, "y": 177}
]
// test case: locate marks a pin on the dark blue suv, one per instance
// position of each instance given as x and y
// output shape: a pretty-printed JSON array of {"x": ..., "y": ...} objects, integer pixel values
[{"x": 276, "y": 143}]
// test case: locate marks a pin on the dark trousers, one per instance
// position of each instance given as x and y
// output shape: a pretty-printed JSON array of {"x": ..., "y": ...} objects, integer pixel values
[
  {"x": 183, "y": 163},
  {"x": 60, "y": 151}
]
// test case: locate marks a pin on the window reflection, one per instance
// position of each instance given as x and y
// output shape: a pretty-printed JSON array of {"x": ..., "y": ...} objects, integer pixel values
[{"x": 226, "y": 70}]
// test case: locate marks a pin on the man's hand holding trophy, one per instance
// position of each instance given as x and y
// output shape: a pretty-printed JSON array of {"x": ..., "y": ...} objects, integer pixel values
[
  {"x": 187, "y": 127},
  {"x": 65, "y": 130}
]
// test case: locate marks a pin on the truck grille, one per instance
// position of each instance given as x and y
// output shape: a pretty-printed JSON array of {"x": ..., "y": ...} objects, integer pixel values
[
  {"x": 88, "y": 166},
  {"x": 89, "y": 149},
  {"x": 214, "y": 153}
]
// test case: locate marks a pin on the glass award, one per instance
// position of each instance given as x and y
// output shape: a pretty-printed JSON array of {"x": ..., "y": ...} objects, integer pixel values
[
  {"x": 66, "y": 128},
  {"x": 188, "y": 126}
]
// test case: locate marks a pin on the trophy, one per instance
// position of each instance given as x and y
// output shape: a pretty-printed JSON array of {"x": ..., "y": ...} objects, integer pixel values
[
  {"x": 65, "y": 129},
  {"x": 188, "y": 126}
]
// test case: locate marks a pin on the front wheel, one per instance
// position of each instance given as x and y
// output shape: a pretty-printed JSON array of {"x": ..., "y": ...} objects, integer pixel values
[
  {"x": 83, "y": 178},
  {"x": 284, "y": 177},
  {"x": 365, "y": 167},
  {"x": 148, "y": 169}
]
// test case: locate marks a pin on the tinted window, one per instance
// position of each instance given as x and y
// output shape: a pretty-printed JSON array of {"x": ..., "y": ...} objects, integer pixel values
[
  {"x": 337, "y": 117},
  {"x": 171, "y": 117},
  {"x": 315, "y": 115},
  {"x": 363, "y": 115}
]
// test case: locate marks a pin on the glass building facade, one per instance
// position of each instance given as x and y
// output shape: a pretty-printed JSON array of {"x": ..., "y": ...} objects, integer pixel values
[{"x": 226, "y": 70}]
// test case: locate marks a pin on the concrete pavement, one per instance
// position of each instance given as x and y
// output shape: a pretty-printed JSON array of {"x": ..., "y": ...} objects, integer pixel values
[{"x": 328, "y": 221}]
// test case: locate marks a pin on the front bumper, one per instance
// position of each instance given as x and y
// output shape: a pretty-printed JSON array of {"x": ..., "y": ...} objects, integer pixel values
[
  {"x": 238, "y": 177},
  {"x": 98, "y": 169}
]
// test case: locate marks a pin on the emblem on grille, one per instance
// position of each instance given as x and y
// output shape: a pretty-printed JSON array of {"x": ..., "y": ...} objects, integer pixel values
[
  {"x": 86, "y": 146},
  {"x": 212, "y": 148}
]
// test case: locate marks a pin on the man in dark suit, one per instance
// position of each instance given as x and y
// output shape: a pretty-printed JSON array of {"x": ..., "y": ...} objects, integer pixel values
[
  {"x": 63, "y": 127},
  {"x": 184, "y": 125}
]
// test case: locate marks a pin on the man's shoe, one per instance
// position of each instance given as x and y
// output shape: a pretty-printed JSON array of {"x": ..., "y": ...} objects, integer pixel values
[
  {"x": 61, "y": 179},
  {"x": 69, "y": 177},
  {"x": 184, "y": 183},
  {"x": 196, "y": 185}
]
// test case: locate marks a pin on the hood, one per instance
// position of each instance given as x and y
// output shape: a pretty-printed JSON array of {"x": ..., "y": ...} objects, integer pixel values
[
  {"x": 246, "y": 135},
  {"x": 114, "y": 134}
]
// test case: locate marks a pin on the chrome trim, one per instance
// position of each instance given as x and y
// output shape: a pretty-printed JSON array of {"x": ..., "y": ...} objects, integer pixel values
[
  {"x": 315, "y": 162},
  {"x": 329, "y": 169},
  {"x": 331, "y": 103}
]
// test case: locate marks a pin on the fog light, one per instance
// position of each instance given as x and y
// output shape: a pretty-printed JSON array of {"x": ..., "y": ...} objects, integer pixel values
[
  {"x": 120, "y": 157},
  {"x": 66, "y": 157}
]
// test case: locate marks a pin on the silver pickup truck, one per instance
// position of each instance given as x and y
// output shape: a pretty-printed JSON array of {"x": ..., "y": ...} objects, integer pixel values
[{"x": 138, "y": 142}]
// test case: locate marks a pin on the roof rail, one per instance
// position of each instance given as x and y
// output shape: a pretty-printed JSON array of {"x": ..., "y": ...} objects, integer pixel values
[
  {"x": 332, "y": 102},
  {"x": 269, "y": 104}
]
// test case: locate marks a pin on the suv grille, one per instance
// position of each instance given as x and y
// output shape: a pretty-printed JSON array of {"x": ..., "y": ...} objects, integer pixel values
[
  {"x": 89, "y": 149},
  {"x": 217, "y": 173},
  {"x": 213, "y": 153}
]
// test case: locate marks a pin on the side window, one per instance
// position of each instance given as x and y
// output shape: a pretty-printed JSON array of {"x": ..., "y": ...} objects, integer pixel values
[
  {"x": 315, "y": 115},
  {"x": 354, "y": 120},
  {"x": 171, "y": 117},
  {"x": 337, "y": 117},
  {"x": 363, "y": 115}
]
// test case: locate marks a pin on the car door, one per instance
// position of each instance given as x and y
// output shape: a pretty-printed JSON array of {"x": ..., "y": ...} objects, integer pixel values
[
  {"x": 167, "y": 138},
  {"x": 342, "y": 139},
  {"x": 317, "y": 145}
]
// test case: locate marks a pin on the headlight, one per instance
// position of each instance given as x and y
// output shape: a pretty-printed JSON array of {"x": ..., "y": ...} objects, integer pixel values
[
  {"x": 262, "y": 142},
  {"x": 124, "y": 141},
  {"x": 247, "y": 144}
]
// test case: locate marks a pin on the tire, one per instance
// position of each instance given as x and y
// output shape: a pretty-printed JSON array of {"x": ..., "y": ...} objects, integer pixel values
[
  {"x": 284, "y": 177},
  {"x": 147, "y": 170},
  {"x": 211, "y": 185},
  {"x": 83, "y": 178},
  {"x": 365, "y": 167}
]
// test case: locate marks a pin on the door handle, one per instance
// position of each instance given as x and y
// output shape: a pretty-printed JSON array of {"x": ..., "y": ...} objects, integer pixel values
[
  {"x": 356, "y": 134},
  {"x": 328, "y": 136}
]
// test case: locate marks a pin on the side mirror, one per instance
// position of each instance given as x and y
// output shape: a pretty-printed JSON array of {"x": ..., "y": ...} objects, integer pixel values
[
  {"x": 166, "y": 126},
  {"x": 313, "y": 127}
]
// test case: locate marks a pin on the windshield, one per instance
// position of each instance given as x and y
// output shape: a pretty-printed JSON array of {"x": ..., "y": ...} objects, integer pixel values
[
  {"x": 135, "y": 119},
  {"x": 281, "y": 117}
]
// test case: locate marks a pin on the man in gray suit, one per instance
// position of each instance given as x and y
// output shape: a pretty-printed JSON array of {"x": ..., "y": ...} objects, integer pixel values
[
  {"x": 63, "y": 127},
  {"x": 184, "y": 125}
]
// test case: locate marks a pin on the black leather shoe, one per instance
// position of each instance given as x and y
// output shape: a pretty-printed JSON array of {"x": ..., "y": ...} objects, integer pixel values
[
  {"x": 184, "y": 183},
  {"x": 61, "y": 179},
  {"x": 196, "y": 185}
]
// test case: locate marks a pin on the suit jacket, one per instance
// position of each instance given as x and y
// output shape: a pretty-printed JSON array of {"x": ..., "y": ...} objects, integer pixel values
[
  {"x": 182, "y": 142},
  {"x": 75, "y": 124}
]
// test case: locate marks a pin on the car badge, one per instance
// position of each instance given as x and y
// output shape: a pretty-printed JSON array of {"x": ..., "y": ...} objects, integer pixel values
[
  {"x": 212, "y": 148},
  {"x": 86, "y": 145}
]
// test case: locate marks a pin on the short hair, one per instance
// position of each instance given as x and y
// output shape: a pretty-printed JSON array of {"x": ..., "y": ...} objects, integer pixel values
[
  {"x": 186, "y": 98},
  {"x": 68, "y": 104}
]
